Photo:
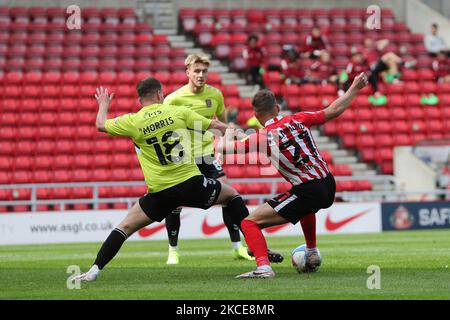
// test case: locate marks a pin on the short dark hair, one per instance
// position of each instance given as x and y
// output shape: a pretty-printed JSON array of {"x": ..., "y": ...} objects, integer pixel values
[
  {"x": 253, "y": 37},
  {"x": 147, "y": 88},
  {"x": 264, "y": 101},
  {"x": 435, "y": 25}
]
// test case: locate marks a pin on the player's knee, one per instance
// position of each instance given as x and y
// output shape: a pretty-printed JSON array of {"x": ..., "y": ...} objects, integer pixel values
[
  {"x": 127, "y": 227},
  {"x": 251, "y": 222},
  {"x": 228, "y": 193}
]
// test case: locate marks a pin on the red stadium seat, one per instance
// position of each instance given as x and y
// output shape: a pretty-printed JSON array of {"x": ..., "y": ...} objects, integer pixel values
[
  {"x": 365, "y": 141},
  {"x": 402, "y": 140},
  {"x": 44, "y": 162},
  {"x": 363, "y": 185},
  {"x": 385, "y": 140},
  {"x": 8, "y": 119},
  {"x": 64, "y": 146},
  {"x": 342, "y": 170},
  {"x": 43, "y": 176},
  {"x": 71, "y": 77},
  {"x": 5, "y": 176},
  {"x": 21, "y": 208},
  {"x": 20, "y": 177},
  {"x": 27, "y": 147},
  {"x": 383, "y": 154},
  {"x": 383, "y": 127},
  {"x": 9, "y": 133},
  {"x": 23, "y": 163},
  {"x": 345, "y": 186},
  {"x": 436, "y": 126},
  {"x": 5, "y": 163}
]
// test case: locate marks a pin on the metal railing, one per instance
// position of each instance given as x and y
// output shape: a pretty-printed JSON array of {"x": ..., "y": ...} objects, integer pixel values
[
  {"x": 389, "y": 187},
  {"x": 390, "y": 192}
]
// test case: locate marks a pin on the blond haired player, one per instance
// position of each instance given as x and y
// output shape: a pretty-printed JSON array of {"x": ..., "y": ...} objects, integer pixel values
[{"x": 208, "y": 102}]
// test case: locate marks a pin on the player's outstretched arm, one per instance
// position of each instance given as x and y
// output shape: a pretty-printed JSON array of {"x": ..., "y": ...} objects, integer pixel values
[
  {"x": 104, "y": 100},
  {"x": 342, "y": 103}
]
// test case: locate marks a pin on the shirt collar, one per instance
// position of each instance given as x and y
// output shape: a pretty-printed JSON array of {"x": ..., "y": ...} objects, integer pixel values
[{"x": 273, "y": 120}]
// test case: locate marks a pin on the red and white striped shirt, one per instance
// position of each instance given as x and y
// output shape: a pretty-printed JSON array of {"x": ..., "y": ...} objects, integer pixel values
[{"x": 290, "y": 145}]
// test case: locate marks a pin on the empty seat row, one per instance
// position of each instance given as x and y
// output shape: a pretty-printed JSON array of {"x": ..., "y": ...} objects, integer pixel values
[
  {"x": 189, "y": 17},
  {"x": 93, "y": 77},
  {"x": 254, "y": 13},
  {"x": 77, "y": 175},
  {"x": 92, "y": 64},
  {"x": 66, "y": 146},
  {"x": 89, "y": 39},
  {"x": 33, "y": 12},
  {"x": 72, "y": 161},
  {"x": 54, "y": 51}
]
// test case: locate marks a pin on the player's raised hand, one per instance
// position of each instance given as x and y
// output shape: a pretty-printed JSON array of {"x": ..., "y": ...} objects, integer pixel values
[
  {"x": 360, "y": 81},
  {"x": 102, "y": 96}
]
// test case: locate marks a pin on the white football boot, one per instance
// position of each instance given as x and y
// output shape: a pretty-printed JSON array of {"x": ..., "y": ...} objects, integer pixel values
[
  {"x": 91, "y": 275},
  {"x": 260, "y": 272}
]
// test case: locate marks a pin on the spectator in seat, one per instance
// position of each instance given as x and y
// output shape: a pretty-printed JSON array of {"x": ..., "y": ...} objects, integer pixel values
[
  {"x": 441, "y": 67},
  {"x": 373, "y": 50},
  {"x": 435, "y": 43},
  {"x": 315, "y": 42},
  {"x": 322, "y": 70},
  {"x": 385, "y": 66},
  {"x": 291, "y": 68},
  {"x": 356, "y": 65},
  {"x": 254, "y": 56}
]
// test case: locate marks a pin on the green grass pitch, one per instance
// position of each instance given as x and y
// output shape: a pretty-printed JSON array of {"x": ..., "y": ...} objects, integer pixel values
[{"x": 413, "y": 265}]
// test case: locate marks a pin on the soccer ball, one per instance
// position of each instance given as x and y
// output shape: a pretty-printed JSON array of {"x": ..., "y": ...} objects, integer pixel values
[{"x": 298, "y": 258}]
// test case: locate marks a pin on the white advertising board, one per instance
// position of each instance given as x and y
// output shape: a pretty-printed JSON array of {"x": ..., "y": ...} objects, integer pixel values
[{"x": 93, "y": 226}]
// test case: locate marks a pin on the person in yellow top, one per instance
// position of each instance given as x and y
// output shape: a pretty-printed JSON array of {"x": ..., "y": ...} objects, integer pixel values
[
  {"x": 160, "y": 134},
  {"x": 208, "y": 102}
]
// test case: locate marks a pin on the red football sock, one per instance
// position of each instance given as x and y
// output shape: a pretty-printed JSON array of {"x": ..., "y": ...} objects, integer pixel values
[
  {"x": 308, "y": 223},
  {"x": 255, "y": 241}
]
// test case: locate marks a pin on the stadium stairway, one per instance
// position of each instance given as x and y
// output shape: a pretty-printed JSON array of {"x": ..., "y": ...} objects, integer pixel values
[
  {"x": 181, "y": 41},
  {"x": 159, "y": 13}
]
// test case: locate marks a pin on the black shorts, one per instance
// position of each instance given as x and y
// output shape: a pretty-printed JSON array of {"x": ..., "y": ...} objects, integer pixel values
[
  {"x": 210, "y": 167},
  {"x": 308, "y": 197},
  {"x": 196, "y": 192}
]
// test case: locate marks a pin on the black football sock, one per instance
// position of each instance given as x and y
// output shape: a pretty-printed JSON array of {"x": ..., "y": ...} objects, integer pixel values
[
  {"x": 110, "y": 247},
  {"x": 233, "y": 229},
  {"x": 173, "y": 227},
  {"x": 237, "y": 209}
]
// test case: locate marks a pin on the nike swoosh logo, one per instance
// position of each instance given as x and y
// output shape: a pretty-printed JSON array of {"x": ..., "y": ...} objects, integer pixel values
[
  {"x": 147, "y": 232},
  {"x": 333, "y": 225},
  {"x": 208, "y": 229},
  {"x": 276, "y": 228}
]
